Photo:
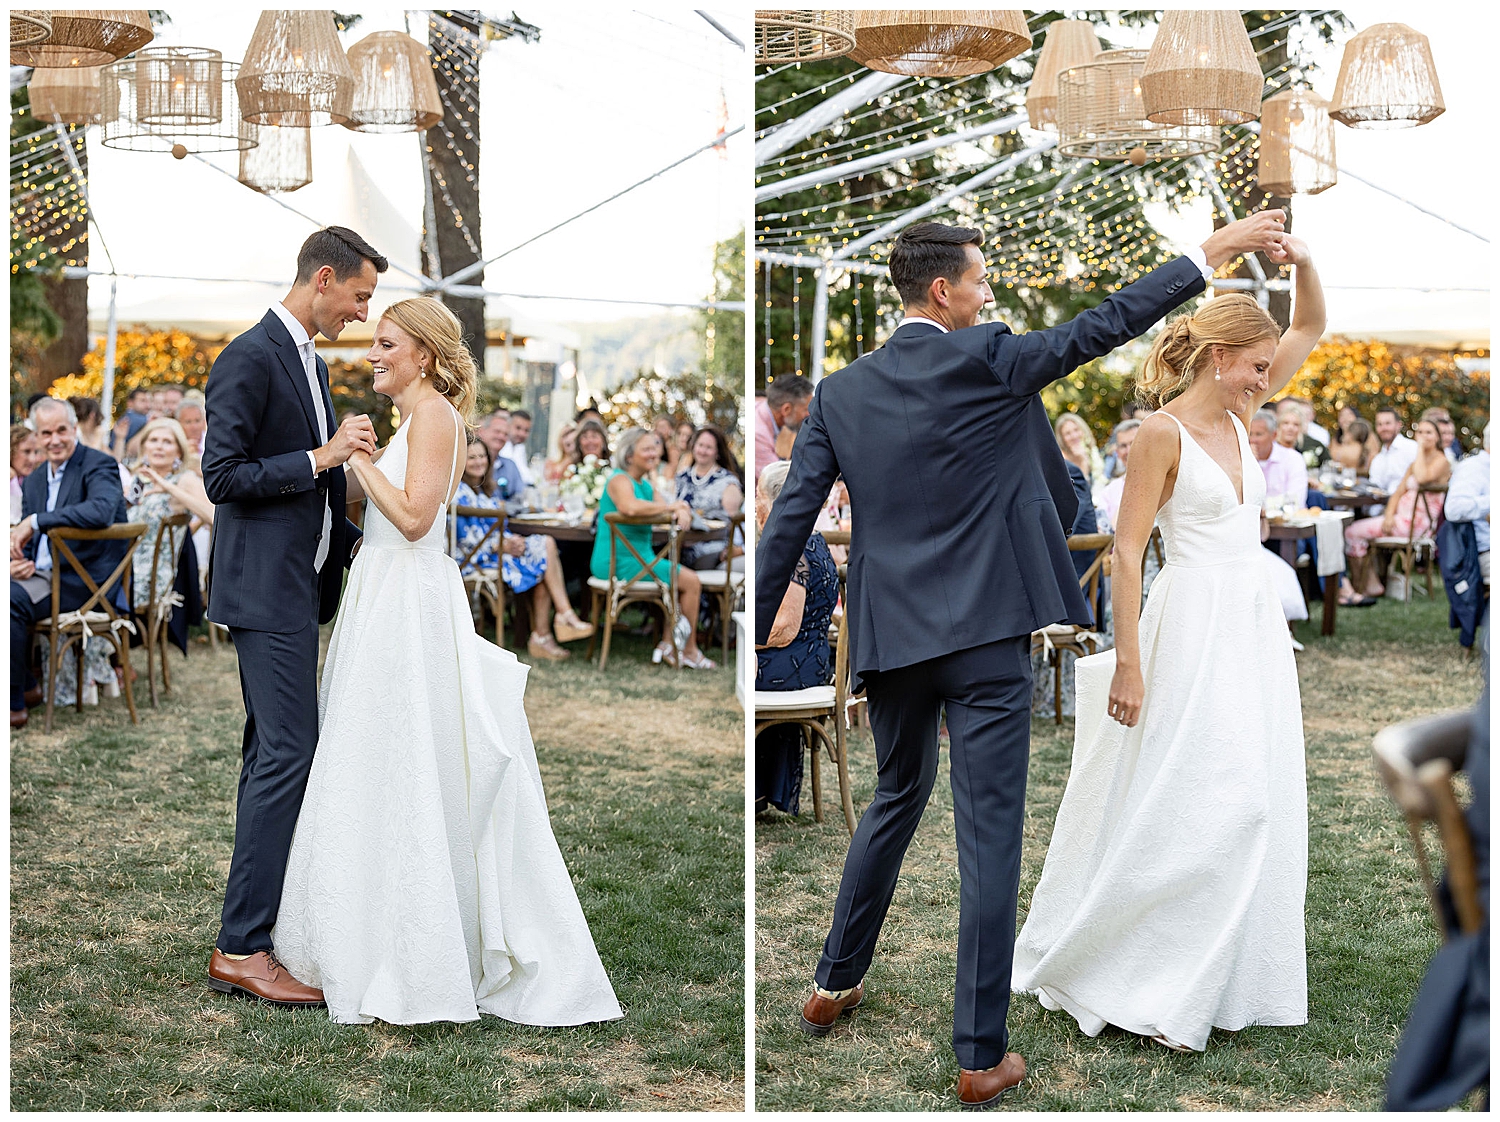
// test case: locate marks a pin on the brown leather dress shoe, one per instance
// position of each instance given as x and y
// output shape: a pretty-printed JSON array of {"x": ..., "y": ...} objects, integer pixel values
[
  {"x": 821, "y": 1013},
  {"x": 262, "y": 976},
  {"x": 980, "y": 1090},
  {"x": 18, "y": 718},
  {"x": 33, "y": 697}
]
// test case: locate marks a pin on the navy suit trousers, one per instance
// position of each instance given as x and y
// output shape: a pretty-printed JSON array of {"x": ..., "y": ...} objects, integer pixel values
[
  {"x": 23, "y": 614},
  {"x": 986, "y": 692}
]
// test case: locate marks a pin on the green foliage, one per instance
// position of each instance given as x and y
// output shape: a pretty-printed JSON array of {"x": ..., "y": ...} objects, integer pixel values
[{"x": 682, "y": 397}]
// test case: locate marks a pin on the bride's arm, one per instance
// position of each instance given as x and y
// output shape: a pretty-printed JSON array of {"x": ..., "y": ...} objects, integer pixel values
[
  {"x": 429, "y": 467},
  {"x": 1152, "y": 457},
  {"x": 1309, "y": 317}
]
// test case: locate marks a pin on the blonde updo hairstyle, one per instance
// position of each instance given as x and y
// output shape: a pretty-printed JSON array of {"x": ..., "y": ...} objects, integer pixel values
[
  {"x": 438, "y": 332},
  {"x": 1184, "y": 349}
]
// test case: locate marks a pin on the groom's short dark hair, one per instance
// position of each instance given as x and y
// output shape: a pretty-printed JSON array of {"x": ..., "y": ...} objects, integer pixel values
[
  {"x": 339, "y": 247},
  {"x": 925, "y": 251}
]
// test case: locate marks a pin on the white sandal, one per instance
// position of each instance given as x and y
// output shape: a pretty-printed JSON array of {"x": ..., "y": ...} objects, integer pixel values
[
  {"x": 1166, "y": 1042},
  {"x": 700, "y": 662}
]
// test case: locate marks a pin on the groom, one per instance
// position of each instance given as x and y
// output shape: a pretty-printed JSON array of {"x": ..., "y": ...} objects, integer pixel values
[
  {"x": 272, "y": 465},
  {"x": 961, "y": 499}
]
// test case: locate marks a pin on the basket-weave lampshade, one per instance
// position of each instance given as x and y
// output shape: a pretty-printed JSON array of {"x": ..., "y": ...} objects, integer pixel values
[
  {"x": 1100, "y": 115},
  {"x": 67, "y": 95},
  {"x": 1202, "y": 70},
  {"x": 295, "y": 72},
  {"x": 394, "y": 87},
  {"x": 168, "y": 96},
  {"x": 796, "y": 35},
  {"x": 1296, "y": 145},
  {"x": 940, "y": 43},
  {"x": 27, "y": 28},
  {"x": 281, "y": 160},
  {"x": 83, "y": 38},
  {"x": 1387, "y": 80},
  {"x": 1069, "y": 43}
]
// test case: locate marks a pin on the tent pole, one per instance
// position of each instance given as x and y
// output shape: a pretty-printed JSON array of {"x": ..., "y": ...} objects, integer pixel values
[
  {"x": 819, "y": 325},
  {"x": 107, "y": 398}
]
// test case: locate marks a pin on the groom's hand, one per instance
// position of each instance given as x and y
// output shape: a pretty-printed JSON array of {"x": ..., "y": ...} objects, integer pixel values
[
  {"x": 356, "y": 434},
  {"x": 1259, "y": 233}
]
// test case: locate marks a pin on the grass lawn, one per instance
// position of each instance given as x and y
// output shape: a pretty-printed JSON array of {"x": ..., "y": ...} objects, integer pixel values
[
  {"x": 120, "y": 843},
  {"x": 1369, "y": 932}
]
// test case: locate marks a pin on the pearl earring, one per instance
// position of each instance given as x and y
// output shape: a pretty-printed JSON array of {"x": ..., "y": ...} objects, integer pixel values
[
  {"x": 424, "y": 371},
  {"x": 1216, "y": 374}
]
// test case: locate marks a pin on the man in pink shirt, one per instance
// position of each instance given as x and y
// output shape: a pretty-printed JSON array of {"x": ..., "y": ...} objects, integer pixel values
[
  {"x": 778, "y": 416},
  {"x": 1284, "y": 469}
]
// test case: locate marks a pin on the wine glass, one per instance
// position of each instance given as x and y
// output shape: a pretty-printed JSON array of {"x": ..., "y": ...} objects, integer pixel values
[{"x": 573, "y": 507}]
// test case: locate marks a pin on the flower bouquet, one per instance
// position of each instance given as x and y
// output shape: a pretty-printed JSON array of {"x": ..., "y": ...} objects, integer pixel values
[{"x": 584, "y": 481}]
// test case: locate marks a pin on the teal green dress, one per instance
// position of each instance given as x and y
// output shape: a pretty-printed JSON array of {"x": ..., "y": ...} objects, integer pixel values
[{"x": 627, "y": 567}]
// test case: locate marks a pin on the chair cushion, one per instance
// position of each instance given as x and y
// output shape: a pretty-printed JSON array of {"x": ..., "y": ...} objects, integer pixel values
[
  {"x": 634, "y": 586},
  {"x": 773, "y": 701},
  {"x": 714, "y": 578}
]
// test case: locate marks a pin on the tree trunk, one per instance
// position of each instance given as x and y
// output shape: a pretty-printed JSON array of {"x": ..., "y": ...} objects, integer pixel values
[
  {"x": 453, "y": 163},
  {"x": 69, "y": 298}
]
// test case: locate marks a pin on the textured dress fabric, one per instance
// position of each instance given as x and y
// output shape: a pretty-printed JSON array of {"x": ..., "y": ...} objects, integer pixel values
[
  {"x": 424, "y": 882},
  {"x": 1171, "y": 900}
]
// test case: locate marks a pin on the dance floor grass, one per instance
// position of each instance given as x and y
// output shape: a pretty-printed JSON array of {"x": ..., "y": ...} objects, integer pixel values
[
  {"x": 120, "y": 843},
  {"x": 1369, "y": 932}
]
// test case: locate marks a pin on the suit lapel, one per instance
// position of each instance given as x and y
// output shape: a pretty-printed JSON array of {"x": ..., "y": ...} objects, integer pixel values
[
  {"x": 291, "y": 362},
  {"x": 70, "y": 491}
]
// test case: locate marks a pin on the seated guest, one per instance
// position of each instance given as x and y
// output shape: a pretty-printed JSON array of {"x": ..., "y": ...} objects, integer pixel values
[
  {"x": 194, "y": 421},
  {"x": 137, "y": 413},
  {"x": 90, "y": 423},
  {"x": 713, "y": 487},
  {"x": 1109, "y": 500},
  {"x": 526, "y": 564},
  {"x": 567, "y": 442},
  {"x": 591, "y": 440},
  {"x": 1118, "y": 454},
  {"x": 1428, "y": 466},
  {"x": 629, "y": 491},
  {"x": 78, "y": 487},
  {"x": 1396, "y": 453},
  {"x": 685, "y": 434},
  {"x": 1447, "y": 433},
  {"x": 1078, "y": 447},
  {"x": 778, "y": 417},
  {"x": 164, "y": 484},
  {"x": 1351, "y": 446},
  {"x": 1291, "y": 432},
  {"x": 797, "y": 655},
  {"x": 1469, "y": 499},
  {"x": 1286, "y": 474},
  {"x": 25, "y": 455},
  {"x": 515, "y": 447}
]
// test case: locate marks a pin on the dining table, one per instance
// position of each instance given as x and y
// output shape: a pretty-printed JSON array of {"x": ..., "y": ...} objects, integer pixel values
[{"x": 1302, "y": 527}]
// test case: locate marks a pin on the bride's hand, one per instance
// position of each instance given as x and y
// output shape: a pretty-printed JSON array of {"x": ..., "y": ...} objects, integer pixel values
[
  {"x": 1290, "y": 251},
  {"x": 1126, "y": 692},
  {"x": 359, "y": 458}
]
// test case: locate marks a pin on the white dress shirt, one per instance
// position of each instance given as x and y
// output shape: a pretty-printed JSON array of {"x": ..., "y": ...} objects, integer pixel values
[
  {"x": 1468, "y": 498},
  {"x": 43, "y": 546},
  {"x": 305, "y": 349},
  {"x": 1390, "y": 463}
]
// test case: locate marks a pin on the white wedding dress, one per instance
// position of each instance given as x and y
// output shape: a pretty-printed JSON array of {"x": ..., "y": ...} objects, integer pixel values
[
  {"x": 1171, "y": 900},
  {"x": 424, "y": 883}
]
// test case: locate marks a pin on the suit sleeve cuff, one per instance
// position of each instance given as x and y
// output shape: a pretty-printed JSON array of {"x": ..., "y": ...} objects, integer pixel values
[{"x": 1196, "y": 255}]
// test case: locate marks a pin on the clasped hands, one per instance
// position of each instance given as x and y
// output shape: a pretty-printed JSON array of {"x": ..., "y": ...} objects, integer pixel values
[
  {"x": 1263, "y": 232},
  {"x": 354, "y": 437}
]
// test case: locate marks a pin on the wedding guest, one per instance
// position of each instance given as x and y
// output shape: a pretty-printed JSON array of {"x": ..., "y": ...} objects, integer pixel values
[
  {"x": 1396, "y": 452},
  {"x": 194, "y": 421},
  {"x": 171, "y": 398},
  {"x": 1125, "y": 433},
  {"x": 589, "y": 412},
  {"x": 137, "y": 408},
  {"x": 526, "y": 564},
  {"x": 1286, "y": 474},
  {"x": 1114, "y": 460},
  {"x": 1291, "y": 432},
  {"x": 629, "y": 491},
  {"x": 1078, "y": 447},
  {"x": 567, "y": 443},
  {"x": 165, "y": 484},
  {"x": 1310, "y": 426},
  {"x": 515, "y": 447},
  {"x": 1469, "y": 499},
  {"x": 713, "y": 487},
  {"x": 91, "y": 432},
  {"x": 778, "y": 418},
  {"x": 495, "y": 431},
  {"x": 666, "y": 428},
  {"x": 685, "y": 435},
  {"x": 1447, "y": 432},
  {"x": 1351, "y": 446},
  {"x": 1347, "y": 416},
  {"x": 25, "y": 454},
  {"x": 591, "y": 440},
  {"x": 797, "y": 655},
  {"x": 1429, "y": 465}
]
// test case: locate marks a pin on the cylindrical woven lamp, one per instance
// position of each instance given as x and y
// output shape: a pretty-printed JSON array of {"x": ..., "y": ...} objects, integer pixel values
[
  {"x": 1296, "y": 145},
  {"x": 173, "y": 96},
  {"x": 1100, "y": 115},
  {"x": 281, "y": 160},
  {"x": 28, "y": 28},
  {"x": 394, "y": 87},
  {"x": 67, "y": 95},
  {"x": 82, "y": 38},
  {"x": 783, "y": 35},
  {"x": 940, "y": 43},
  {"x": 295, "y": 72},
  {"x": 1202, "y": 70},
  {"x": 1069, "y": 43},
  {"x": 1387, "y": 80}
]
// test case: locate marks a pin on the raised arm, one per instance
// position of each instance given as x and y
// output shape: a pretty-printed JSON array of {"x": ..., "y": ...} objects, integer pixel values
[
  {"x": 1309, "y": 316},
  {"x": 432, "y": 462}
]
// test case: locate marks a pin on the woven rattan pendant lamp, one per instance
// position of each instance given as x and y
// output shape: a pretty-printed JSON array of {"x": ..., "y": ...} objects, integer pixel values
[
  {"x": 281, "y": 160},
  {"x": 394, "y": 87},
  {"x": 171, "y": 99},
  {"x": 28, "y": 28},
  {"x": 794, "y": 35},
  {"x": 1100, "y": 115},
  {"x": 80, "y": 38},
  {"x": 1387, "y": 80},
  {"x": 1201, "y": 70},
  {"x": 67, "y": 95},
  {"x": 295, "y": 72},
  {"x": 940, "y": 43},
  {"x": 1296, "y": 145},
  {"x": 1069, "y": 43}
]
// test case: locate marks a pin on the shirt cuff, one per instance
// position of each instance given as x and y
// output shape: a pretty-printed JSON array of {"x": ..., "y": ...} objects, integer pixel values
[
  {"x": 1196, "y": 255},
  {"x": 312, "y": 462},
  {"x": 35, "y": 527}
]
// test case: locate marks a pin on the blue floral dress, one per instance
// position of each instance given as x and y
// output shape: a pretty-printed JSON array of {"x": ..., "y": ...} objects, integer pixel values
[{"x": 521, "y": 574}]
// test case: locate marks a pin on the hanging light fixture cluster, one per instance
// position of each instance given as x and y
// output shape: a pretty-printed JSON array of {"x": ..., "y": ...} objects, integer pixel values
[
  {"x": 172, "y": 99},
  {"x": 802, "y": 35},
  {"x": 1296, "y": 144},
  {"x": 938, "y": 43},
  {"x": 1387, "y": 80},
  {"x": 394, "y": 87},
  {"x": 76, "y": 38},
  {"x": 1101, "y": 115},
  {"x": 1201, "y": 70},
  {"x": 1069, "y": 43}
]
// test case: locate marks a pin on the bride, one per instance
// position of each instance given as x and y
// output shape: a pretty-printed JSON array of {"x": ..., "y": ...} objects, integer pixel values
[
  {"x": 1171, "y": 900},
  {"x": 424, "y": 883}
]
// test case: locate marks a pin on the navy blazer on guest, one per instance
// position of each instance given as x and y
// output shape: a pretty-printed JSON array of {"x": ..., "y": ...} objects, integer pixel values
[
  {"x": 961, "y": 497},
  {"x": 89, "y": 497},
  {"x": 268, "y": 513}
]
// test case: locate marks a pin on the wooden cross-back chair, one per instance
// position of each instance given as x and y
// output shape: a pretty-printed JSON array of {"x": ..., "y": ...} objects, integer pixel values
[
  {"x": 1415, "y": 549},
  {"x": 724, "y": 584},
  {"x": 611, "y": 594},
  {"x": 485, "y": 587},
  {"x": 157, "y": 614},
  {"x": 96, "y": 615},
  {"x": 1058, "y": 637},
  {"x": 1418, "y": 759}
]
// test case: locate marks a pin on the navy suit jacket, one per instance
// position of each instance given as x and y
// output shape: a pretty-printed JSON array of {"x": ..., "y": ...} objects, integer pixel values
[
  {"x": 961, "y": 497},
  {"x": 268, "y": 513},
  {"x": 88, "y": 498}
]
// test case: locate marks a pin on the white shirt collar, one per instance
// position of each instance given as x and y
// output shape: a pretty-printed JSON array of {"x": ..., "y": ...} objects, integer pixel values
[
  {"x": 921, "y": 319},
  {"x": 300, "y": 337},
  {"x": 54, "y": 473}
]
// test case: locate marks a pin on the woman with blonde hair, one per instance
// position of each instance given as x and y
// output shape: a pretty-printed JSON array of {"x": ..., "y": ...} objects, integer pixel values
[
  {"x": 1079, "y": 448},
  {"x": 424, "y": 883},
  {"x": 165, "y": 483},
  {"x": 1171, "y": 901}
]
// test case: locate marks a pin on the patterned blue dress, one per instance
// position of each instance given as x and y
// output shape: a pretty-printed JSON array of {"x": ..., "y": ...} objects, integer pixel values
[{"x": 521, "y": 574}]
